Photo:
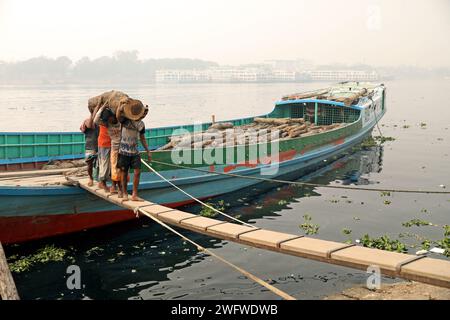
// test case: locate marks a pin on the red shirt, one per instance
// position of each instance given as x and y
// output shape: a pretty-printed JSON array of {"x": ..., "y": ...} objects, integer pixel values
[{"x": 104, "y": 141}]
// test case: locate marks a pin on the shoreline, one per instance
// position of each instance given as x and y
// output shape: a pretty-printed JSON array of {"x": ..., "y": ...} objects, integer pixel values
[{"x": 396, "y": 291}]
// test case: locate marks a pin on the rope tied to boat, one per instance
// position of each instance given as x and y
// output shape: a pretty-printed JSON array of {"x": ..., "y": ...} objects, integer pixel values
[
  {"x": 307, "y": 184},
  {"x": 194, "y": 198}
]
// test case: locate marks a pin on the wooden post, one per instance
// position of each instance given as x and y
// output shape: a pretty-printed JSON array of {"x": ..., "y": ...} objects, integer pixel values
[
  {"x": 8, "y": 290},
  {"x": 213, "y": 118}
]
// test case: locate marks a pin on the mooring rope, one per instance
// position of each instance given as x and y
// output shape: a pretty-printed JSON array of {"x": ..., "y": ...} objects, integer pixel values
[
  {"x": 376, "y": 119},
  {"x": 308, "y": 184},
  {"x": 249, "y": 275},
  {"x": 246, "y": 273},
  {"x": 194, "y": 198}
]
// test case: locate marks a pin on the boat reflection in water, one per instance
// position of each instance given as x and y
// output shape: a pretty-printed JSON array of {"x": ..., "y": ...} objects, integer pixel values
[{"x": 352, "y": 168}]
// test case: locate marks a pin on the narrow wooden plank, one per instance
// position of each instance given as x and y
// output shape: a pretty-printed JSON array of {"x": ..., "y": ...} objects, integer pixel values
[
  {"x": 201, "y": 223},
  {"x": 266, "y": 238},
  {"x": 310, "y": 247},
  {"x": 174, "y": 216},
  {"x": 427, "y": 268},
  {"x": 8, "y": 290},
  {"x": 228, "y": 230},
  {"x": 157, "y": 209},
  {"x": 363, "y": 257}
]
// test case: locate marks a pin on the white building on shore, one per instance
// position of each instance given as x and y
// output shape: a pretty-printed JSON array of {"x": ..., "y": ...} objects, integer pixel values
[
  {"x": 178, "y": 76},
  {"x": 341, "y": 75},
  {"x": 225, "y": 74},
  {"x": 260, "y": 74}
]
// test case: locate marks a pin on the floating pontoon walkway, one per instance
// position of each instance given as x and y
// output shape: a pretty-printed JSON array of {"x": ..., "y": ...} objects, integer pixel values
[{"x": 411, "y": 267}]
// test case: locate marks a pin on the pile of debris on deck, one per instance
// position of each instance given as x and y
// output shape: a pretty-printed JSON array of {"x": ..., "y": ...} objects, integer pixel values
[{"x": 261, "y": 129}]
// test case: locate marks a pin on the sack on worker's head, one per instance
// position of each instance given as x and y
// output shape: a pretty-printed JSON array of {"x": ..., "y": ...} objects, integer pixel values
[{"x": 110, "y": 99}]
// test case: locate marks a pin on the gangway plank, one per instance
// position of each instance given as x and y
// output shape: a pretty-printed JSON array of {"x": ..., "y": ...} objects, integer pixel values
[{"x": 411, "y": 267}]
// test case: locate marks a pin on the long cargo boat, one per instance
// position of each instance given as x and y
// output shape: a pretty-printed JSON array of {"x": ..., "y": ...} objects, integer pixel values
[{"x": 39, "y": 206}]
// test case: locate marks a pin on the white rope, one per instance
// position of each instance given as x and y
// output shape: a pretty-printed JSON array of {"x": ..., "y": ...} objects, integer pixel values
[
  {"x": 194, "y": 198},
  {"x": 249, "y": 275}
]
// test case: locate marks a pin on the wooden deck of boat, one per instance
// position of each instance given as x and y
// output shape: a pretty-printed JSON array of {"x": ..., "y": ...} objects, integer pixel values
[
  {"x": 34, "y": 178},
  {"x": 411, "y": 267},
  {"x": 38, "y": 181}
]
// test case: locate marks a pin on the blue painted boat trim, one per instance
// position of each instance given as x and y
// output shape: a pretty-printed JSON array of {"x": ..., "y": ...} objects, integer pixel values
[
  {"x": 41, "y": 159},
  {"x": 334, "y": 103}
]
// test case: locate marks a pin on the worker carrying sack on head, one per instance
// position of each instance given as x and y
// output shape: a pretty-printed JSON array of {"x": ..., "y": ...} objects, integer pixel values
[{"x": 133, "y": 129}]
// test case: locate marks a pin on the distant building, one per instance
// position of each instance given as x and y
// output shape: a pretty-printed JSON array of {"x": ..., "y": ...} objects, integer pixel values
[
  {"x": 260, "y": 74},
  {"x": 178, "y": 76},
  {"x": 341, "y": 75},
  {"x": 298, "y": 65},
  {"x": 225, "y": 74}
]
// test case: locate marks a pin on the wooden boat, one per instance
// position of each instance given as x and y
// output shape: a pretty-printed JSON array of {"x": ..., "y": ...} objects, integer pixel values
[{"x": 35, "y": 206}]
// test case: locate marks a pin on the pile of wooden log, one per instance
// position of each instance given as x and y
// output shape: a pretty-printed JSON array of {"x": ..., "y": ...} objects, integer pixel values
[
  {"x": 64, "y": 164},
  {"x": 347, "y": 97},
  {"x": 260, "y": 130}
]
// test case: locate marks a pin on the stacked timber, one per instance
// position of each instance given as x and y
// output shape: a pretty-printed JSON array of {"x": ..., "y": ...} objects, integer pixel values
[
  {"x": 345, "y": 95},
  {"x": 351, "y": 98},
  {"x": 260, "y": 130},
  {"x": 64, "y": 164},
  {"x": 306, "y": 95}
]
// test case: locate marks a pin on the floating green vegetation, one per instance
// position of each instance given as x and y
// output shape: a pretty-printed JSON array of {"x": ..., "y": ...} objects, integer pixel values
[
  {"x": 368, "y": 143},
  {"x": 387, "y": 202},
  {"x": 44, "y": 255},
  {"x": 383, "y": 139},
  {"x": 385, "y": 194},
  {"x": 210, "y": 213},
  {"x": 423, "y": 124},
  {"x": 406, "y": 126},
  {"x": 348, "y": 233},
  {"x": 445, "y": 242},
  {"x": 416, "y": 222},
  {"x": 426, "y": 244},
  {"x": 383, "y": 243},
  {"x": 309, "y": 227}
]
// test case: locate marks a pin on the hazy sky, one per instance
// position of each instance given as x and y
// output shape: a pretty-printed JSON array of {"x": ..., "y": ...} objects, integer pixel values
[{"x": 377, "y": 32}]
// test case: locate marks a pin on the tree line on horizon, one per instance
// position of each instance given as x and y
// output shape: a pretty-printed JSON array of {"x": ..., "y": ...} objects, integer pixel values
[
  {"x": 126, "y": 66},
  {"x": 123, "y": 65}
]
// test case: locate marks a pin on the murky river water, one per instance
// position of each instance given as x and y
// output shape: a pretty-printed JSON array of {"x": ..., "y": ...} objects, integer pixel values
[{"x": 140, "y": 260}]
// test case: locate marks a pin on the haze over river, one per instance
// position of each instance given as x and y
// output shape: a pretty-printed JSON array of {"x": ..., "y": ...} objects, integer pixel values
[{"x": 140, "y": 260}]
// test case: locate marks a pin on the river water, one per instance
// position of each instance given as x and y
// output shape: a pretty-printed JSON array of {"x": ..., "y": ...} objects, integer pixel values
[{"x": 140, "y": 260}]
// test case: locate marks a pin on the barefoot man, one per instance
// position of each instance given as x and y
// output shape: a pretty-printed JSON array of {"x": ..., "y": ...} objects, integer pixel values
[
  {"x": 105, "y": 117},
  {"x": 132, "y": 132},
  {"x": 90, "y": 131}
]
